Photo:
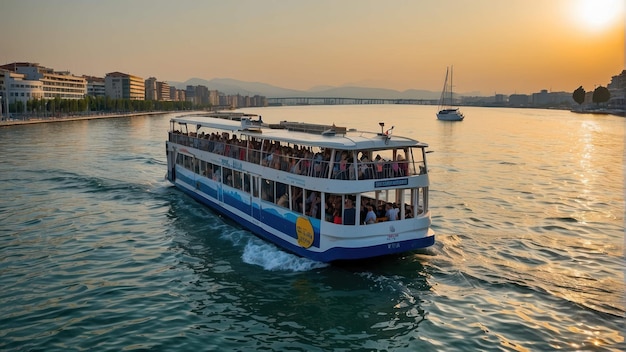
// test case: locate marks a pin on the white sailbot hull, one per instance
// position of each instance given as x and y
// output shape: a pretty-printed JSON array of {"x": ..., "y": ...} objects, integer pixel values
[{"x": 450, "y": 115}]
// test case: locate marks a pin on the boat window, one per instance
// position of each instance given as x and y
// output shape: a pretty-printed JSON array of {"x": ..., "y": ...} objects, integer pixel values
[
  {"x": 313, "y": 204},
  {"x": 255, "y": 186},
  {"x": 208, "y": 171},
  {"x": 246, "y": 182},
  {"x": 196, "y": 165},
  {"x": 217, "y": 173},
  {"x": 282, "y": 194},
  {"x": 202, "y": 164},
  {"x": 227, "y": 176},
  {"x": 350, "y": 214},
  {"x": 334, "y": 208},
  {"x": 237, "y": 183},
  {"x": 267, "y": 190},
  {"x": 296, "y": 199},
  {"x": 185, "y": 161}
]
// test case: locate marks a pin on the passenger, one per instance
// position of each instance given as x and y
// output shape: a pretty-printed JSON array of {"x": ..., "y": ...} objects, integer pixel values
[
  {"x": 315, "y": 206},
  {"x": 408, "y": 211},
  {"x": 379, "y": 162},
  {"x": 349, "y": 213},
  {"x": 365, "y": 171},
  {"x": 395, "y": 167},
  {"x": 296, "y": 202},
  {"x": 337, "y": 217},
  {"x": 311, "y": 198},
  {"x": 329, "y": 208},
  {"x": 317, "y": 165},
  {"x": 283, "y": 201},
  {"x": 381, "y": 211},
  {"x": 392, "y": 212},
  {"x": 342, "y": 171},
  {"x": 370, "y": 217},
  {"x": 294, "y": 166},
  {"x": 404, "y": 166}
]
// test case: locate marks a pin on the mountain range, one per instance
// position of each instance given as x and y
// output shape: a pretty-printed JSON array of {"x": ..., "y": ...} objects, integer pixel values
[{"x": 231, "y": 87}]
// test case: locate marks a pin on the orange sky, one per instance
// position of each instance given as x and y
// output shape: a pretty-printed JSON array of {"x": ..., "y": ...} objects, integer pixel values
[{"x": 513, "y": 46}]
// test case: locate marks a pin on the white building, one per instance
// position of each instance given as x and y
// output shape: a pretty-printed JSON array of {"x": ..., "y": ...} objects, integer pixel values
[
  {"x": 17, "y": 88},
  {"x": 60, "y": 84}
]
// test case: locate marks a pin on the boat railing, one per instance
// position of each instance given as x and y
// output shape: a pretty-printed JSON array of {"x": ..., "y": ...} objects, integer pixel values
[{"x": 311, "y": 165}]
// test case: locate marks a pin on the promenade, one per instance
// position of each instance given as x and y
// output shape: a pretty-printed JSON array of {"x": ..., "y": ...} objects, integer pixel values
[{"x": 48, "y": 119}]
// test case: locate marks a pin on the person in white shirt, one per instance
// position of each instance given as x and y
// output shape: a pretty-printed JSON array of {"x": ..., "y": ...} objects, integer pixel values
[
  {"x": 370, "y": 216},
  {"x": 392, "y": 212}
]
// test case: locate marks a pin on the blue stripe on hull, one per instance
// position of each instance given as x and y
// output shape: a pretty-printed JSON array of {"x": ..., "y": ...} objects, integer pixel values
[{"x": 333, "y": 254}]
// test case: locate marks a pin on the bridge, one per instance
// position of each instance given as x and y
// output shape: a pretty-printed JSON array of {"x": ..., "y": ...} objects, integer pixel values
[{"x": 345, "y": 101}]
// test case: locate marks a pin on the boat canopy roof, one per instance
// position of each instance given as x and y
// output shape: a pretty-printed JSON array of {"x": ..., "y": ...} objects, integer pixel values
[{"x": 298, "y": 133}]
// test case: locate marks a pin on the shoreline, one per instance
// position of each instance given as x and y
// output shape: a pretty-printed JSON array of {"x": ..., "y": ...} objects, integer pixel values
[{"x": 35, "y": 120}]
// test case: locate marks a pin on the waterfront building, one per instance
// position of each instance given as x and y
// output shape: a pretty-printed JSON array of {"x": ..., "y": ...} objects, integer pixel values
[
  {"x": 545, "y": 98},
  {"x": 190, "y": 94},
  {"x": 181, "y": 95},
  {"x": 214, "y": 97},
  {"x": 4, "y": 105},
  {"x": 173, "y": 93},
  {"x": 120, "y": 85},
  {"x": 519, "y": 100},
  {"x": 163, "y": 91},
  {"x": 95, "y": 86},
  {"x": 151, "y": 88},
  {"x": 17, "y": 88},
  {"x": 177, "y": 94},
  {"x": 202, "y": 95},
  {"x": 617, "y": 88},
  {"x": 59, "y": 84}
]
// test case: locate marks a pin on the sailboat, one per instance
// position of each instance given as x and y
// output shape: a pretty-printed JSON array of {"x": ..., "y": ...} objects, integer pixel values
[{"x": 446, "y": 111}]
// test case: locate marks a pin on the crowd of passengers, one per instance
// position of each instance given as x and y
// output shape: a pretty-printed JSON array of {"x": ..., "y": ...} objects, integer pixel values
[
  {"x": 297, "y": 159},
  {"x": 370, "y": 211}
]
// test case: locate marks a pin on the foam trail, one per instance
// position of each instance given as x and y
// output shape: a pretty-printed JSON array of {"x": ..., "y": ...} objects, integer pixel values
[{"x": 271, "y": 258}]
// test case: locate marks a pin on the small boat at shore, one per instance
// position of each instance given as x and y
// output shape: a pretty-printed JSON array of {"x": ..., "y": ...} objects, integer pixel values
[
  {"x": 327, "y": 193},
  {"x": 446, "y": 111}
]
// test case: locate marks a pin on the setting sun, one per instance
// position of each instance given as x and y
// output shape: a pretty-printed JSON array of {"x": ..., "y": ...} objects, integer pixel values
[{"x": 598, "y": 15}]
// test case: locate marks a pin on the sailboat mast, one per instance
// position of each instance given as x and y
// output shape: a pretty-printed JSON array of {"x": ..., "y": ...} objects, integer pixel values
[{"x": 451, "y": 75}]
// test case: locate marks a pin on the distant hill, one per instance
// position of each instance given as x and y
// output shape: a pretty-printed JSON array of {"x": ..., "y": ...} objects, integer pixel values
[{"x": 232, "y": 86}]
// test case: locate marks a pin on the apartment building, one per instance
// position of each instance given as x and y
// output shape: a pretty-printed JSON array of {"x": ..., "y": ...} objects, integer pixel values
[
  {"x": 163, "y": 91},
  {"x": 55, "y": 84},
  {"x": 151, "y": 88},
  {"x": 120, "y": 85},
  {"x": 95, "y": 86}
]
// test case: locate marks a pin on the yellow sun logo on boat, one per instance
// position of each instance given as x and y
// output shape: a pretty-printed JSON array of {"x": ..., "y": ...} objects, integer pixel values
[{"x": 305, "y": 233}]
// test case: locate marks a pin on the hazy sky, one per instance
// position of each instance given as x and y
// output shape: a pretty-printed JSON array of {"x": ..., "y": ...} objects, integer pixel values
[{"x": 511, "y": 46}]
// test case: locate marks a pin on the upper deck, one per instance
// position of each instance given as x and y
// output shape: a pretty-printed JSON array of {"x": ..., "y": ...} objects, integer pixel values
[
  {"x": 313, "y": 150},
  {"x": 297, "y": 133}
]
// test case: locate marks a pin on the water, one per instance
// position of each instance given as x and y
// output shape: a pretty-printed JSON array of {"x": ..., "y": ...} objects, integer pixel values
[{"x": 98, "y": 252}]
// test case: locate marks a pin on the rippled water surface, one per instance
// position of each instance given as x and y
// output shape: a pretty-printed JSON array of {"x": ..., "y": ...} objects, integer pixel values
[{"x": 98, "y": 252}]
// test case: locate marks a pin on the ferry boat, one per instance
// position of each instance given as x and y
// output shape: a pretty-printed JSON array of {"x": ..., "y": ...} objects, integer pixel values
[{"x": 323, "y": 192}]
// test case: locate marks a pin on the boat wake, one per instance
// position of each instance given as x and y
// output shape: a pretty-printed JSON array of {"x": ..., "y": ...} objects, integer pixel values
[{"x": 270, "y": 257}]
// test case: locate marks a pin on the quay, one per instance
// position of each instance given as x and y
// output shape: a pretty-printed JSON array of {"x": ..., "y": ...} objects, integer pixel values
[{"x": 48, "y": 119}]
